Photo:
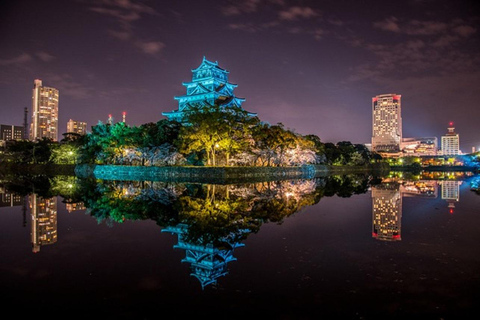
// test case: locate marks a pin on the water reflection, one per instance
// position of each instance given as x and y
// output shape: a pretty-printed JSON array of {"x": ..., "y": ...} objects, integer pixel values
[
  {"x": 387, "y": 198},
  {"x": 211, "y": 221},
  {"x": 44, "y": 221}
]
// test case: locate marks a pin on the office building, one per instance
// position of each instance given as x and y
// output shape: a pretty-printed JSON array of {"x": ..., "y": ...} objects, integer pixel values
[
  {"x": 386, "y": 123},
  {"x": 44, "y": 112},
  {"x": 76, "y": 127},
  {"x": 451, "y": 142},
  {"x": 420, "y": 146},
  {"x": 8, "y": 132}
]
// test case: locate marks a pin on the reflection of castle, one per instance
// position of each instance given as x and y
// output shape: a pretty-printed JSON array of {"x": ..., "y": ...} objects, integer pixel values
[
  {"x": 451, "y": 192},
  {"x": 387, "y": 205},
  {"x": 44, "y": 221},
  {"x": 208, "y": 263}
]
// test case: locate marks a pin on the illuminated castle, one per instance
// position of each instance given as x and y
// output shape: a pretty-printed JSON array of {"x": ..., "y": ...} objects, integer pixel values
[{"x": 209, "y": 87}]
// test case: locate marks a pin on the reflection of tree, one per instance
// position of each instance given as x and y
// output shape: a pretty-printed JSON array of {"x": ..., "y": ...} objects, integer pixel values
[
  {"x": 211, "y": 221},
  {"x": 347, "y": 185},
  {"x": 215, "y": 216},
  {"x": 475, "y": 185}
]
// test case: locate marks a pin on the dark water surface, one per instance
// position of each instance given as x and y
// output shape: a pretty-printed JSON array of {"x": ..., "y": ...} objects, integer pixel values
[{"x": 350, "y": 247}]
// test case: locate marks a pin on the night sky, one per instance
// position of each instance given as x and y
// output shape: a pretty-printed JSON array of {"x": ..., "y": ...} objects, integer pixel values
[{"x": 312, "y": 65}]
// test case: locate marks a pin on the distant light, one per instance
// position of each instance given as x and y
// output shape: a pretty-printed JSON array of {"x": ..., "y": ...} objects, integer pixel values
[
  {"x": 451, "y": 123},
  {"x": 124, "y": 113},
  {"x": 109, "y": 115}
]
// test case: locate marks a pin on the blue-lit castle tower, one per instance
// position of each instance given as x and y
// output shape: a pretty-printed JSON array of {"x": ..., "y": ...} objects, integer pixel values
[{"x": 209, "y": 86}]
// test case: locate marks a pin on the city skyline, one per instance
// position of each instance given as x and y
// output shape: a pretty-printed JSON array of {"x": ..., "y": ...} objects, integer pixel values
[{"x": 312, "y": 66}]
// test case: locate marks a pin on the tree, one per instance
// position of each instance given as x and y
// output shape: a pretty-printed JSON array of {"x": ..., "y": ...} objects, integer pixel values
[{"x": 215, "y": 129}]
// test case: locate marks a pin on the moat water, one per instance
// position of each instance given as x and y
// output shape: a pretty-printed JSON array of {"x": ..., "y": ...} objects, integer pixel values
[{"x": 347, "y": 246}]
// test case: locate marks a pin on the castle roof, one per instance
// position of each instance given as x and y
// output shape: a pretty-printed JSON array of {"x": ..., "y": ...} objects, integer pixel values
[{"x": 209, "y": 64}]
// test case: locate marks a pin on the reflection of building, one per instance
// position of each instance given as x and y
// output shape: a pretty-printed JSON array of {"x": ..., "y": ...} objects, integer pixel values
[
  {"x": 9, "y": 199},
  {"x": 8, "y": 132},
  {"x": 451, "y": 192},
  {"x": 387, "y": 211},
  {"x": 76, "y": 127},
  {"x": 450, "y": 142},
  {"x": 207, "y": 262},
  {"x": 420, "y": 188},
  {"x": 387, "y": 123},
  {"x": 420, "y": 146},
  {"x": 44, "y": 112},
  {"x": 44, "y": 221},
  {"x": 209, "y": 86},
  {"x": 75, "y": 206}
]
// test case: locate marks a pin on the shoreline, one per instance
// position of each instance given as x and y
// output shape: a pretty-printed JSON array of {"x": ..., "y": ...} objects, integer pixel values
[{"x": 205, "y": 174}]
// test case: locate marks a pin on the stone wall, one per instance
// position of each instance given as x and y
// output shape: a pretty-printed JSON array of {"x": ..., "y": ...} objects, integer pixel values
[
  {"x": 198, "y": 174},
  {"x": 214, "y": 174}
]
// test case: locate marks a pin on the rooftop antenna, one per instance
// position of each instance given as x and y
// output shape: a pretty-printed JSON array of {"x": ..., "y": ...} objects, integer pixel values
[{"x": 124, "y": 114}]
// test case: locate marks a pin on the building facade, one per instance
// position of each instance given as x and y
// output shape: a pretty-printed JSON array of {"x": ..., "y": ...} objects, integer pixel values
[
  {"x": 387, "y": 123},
  {"x": 451, "y": 142},
  {"x": 420, "y": 146},
  {"x": 44, "y": 112},
  {"x": 209, "y": 87},
  {"x": 8, "y": 132},
  {"x": 76, "y": 127}
]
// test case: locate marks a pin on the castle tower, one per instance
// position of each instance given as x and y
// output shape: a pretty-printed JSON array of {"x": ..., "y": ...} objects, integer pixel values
[{"x": 209, "y": 86}]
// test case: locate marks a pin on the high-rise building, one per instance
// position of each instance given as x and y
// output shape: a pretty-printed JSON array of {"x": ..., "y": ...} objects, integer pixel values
[
  {"x": 76, "y": 127},
  {"x": 451, "y": 142},
  {"x": 387, "y": 123},
  {"x": 8, "y": 132},
  {"x": 44, "y": 112}
]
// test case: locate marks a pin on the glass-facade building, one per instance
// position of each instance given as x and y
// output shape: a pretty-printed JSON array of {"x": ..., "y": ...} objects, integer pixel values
[
  {"x": 44, "y": 112},
  {"x": 386, "y": 123},
  {"x": 451, "y": 142},
  {"x": 76, "y": 127},
  {"x": 8, "y": 132}
]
